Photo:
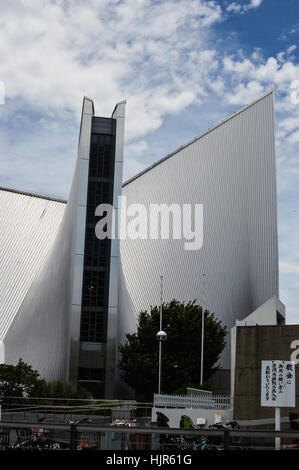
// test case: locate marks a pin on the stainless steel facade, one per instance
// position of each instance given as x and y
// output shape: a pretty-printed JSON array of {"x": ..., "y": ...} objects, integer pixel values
[
  {"x": 43, "y": 328},
  {"x": 113, "y": 306},
  {"x": 43, "y": 331},
  {"x": 231, "y": 171},
  {"x": 28, "y": 227}
]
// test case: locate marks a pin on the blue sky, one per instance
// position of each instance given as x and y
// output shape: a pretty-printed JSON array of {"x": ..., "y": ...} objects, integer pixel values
[{"x": 182, "y": 65}]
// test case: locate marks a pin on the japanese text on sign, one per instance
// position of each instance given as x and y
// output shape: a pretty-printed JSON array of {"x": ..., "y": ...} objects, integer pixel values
[{"x": 278, "y": 383}]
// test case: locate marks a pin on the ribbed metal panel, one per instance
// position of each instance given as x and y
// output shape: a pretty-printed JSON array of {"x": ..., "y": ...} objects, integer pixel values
[
  {"x": 45, "y": 331},
  {"x": 231, "y": 171},
  {"x": 42, "y": 267},
  {"x": 118, "y": 116},
  {"x": 29, "y": 225}
]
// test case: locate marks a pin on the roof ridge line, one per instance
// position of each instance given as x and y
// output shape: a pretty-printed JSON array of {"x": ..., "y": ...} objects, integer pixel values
[
  {"x": 27, "y": 193},
  {"x": 210, "y": 129}
]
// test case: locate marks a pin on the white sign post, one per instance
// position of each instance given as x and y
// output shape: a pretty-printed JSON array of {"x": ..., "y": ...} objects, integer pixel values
[{"x": 278, "y": 388}]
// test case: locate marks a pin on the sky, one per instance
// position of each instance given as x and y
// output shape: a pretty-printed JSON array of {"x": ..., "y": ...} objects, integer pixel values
[{"x": 182, "y": 66}]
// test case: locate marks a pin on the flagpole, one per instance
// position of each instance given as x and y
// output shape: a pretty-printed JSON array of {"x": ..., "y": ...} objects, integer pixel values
[{"x": 202, "y": 328}]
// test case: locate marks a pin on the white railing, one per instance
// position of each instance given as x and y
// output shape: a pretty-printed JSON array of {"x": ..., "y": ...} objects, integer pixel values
[{"x": 219, "y": 402}]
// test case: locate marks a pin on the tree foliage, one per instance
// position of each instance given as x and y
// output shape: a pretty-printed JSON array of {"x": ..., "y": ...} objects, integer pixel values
[
  {"x": 17, "y": 381},
  {"x": 22, "y": 380},
  {"x": 181, "y": 351},
  {"x": 58, "y": 389}
]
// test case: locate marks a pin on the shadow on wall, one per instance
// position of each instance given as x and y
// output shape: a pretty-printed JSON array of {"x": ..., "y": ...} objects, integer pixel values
[{"x": 127, "y": 323}]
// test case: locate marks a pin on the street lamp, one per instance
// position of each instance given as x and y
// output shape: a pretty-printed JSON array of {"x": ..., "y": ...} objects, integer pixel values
[
  {"x": 161, "y": 336},
  {"x": 202, "y": 328}
]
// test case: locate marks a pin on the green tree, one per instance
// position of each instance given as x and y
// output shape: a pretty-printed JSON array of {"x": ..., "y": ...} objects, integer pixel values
[
  {"x": 58, "y": 389},
  {"x": 181, "y": 350},
  {"x": 22, "y": 380},
  {"x": 17, "y": 381}
]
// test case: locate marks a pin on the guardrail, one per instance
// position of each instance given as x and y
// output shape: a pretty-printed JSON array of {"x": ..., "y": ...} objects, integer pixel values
[
  {"x": 215, "y": 402},
  {"x": 76, "y": 432}
]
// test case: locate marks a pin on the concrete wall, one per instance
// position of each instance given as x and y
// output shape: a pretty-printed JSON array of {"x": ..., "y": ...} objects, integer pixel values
[
  {"x": 266, "y": 314},
  {"x": 220, "y": 382},
  {"x": 254, "y": 344}
]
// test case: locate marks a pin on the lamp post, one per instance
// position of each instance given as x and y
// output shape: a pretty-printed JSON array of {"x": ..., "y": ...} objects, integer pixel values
[
  {"x": 161, "y": 336},
  {"x": 202, "y": 328}
]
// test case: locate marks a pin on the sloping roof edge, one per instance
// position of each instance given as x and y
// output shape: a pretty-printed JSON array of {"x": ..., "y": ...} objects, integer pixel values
[
  {"x": 27, "y": 193},
  {"x": 141, "y": 173}
]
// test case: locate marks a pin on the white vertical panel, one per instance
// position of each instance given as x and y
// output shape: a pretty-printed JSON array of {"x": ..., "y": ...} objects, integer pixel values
[
  {"x": 111, "y": 352},
  {"x": 46, "y": 327},
  {"x": 231, "y": 171}
]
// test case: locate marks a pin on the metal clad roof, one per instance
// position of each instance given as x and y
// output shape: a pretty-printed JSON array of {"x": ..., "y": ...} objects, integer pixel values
[
  {"x": 28, "y": 226},
  {"x": 231, "y": 171}
]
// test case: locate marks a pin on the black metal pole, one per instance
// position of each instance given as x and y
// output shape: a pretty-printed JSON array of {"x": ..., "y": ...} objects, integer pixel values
[
  {"x": 226, "y": 439},
  {"x": 73, "y": 437}
]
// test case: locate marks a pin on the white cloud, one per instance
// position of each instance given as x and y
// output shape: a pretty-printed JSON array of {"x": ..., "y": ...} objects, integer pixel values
[
  {"x": 242, "y": 68},
  {"x": 154, "y": 54},
  {"x": 294, "y": 137},
  {"x": 134, "y": 164},
  {"x": 289, "y": 267},
  {"x": 244, "y": 78},
  {"x": 254, "y": 4},
  {"x": 291, "y": 49},
  {"x": 162, "y": 57},
  {"x": 271, "y": 73},
  {"x": 53, "y": 53},
  {"x": 288, "y": 124},
  {"x": 280, "y": 56},
  {"x": 237, "y": 8},
  {"x": 39, "y": 158},
  {"x": 137, "y": 147},
  {"x": 244, "y": 94}
]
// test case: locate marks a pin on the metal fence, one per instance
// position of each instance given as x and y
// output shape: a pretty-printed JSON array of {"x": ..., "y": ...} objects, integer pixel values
[
  {"x": 67, "y": 410},
  {"x": 55, "y": 414},
  {"x": 215, "y": 402},
  {"x": 90, "y": 437}
]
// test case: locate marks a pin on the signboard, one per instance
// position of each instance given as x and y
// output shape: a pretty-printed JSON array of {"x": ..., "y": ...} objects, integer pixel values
[{"x": 278, "y": 384}]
